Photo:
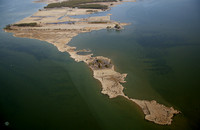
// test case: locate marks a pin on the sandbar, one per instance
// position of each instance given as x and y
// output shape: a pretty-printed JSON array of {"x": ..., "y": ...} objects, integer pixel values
[{"x": 57, "y": 27}]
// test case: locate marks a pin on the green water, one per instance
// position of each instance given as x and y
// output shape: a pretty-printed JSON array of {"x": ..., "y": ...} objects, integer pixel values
[{"x": 42, "y": 88}]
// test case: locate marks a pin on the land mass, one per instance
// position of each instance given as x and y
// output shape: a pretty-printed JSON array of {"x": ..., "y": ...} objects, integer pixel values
[{"x": 56, "y": 25}]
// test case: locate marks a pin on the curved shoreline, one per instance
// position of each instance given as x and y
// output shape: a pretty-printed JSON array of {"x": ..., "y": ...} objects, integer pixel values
[{"x": 103, "y": 70}]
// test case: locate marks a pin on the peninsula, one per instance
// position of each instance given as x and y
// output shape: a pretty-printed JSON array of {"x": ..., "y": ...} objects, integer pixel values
[{"x": 55, "y": 24}]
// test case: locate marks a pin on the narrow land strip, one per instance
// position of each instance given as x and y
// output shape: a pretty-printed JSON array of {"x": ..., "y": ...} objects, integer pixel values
[{"x": 54, "y": 25}]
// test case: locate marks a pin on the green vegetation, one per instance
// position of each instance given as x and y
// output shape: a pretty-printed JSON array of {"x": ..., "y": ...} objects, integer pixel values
[
  {"x": 108, "y": 27},
  {"x": 8, "y": 27},
  {"x": 92, "y": 6},
  {"x": 99, "y": 61},
  {"x": 26, "y": 25},
  {"x": 117, "y": 26},
  {"x": 92, "y": 11},
  {"x": 100, "y": 64},
  {"x": 80, "y": 4}
]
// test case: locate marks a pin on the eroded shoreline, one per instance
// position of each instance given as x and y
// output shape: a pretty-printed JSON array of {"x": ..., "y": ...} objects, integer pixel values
[{"x": 58, "y": 28}]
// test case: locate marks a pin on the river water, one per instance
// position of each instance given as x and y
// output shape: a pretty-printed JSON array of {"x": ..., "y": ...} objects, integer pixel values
[{"x": 42, "y": 88}]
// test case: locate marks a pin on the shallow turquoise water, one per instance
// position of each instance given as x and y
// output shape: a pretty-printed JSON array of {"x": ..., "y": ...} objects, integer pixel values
[{"x": 42, "y": 88}]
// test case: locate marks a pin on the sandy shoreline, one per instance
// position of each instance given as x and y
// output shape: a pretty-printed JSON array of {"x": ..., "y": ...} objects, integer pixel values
[{"x": 58, "y": 28}]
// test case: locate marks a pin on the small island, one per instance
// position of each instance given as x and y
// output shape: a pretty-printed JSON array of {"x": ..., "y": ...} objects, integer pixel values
[{"x": 55, "y": 24}]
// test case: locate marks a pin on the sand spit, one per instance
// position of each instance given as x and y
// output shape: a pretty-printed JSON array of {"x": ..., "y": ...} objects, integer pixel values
[
  {"x": 156, "y": 112},
  {"x": 58, "y": 28}
]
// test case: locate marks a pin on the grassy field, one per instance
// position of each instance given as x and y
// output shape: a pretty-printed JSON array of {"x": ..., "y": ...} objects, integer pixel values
[{"x": 80, "y": 4}]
